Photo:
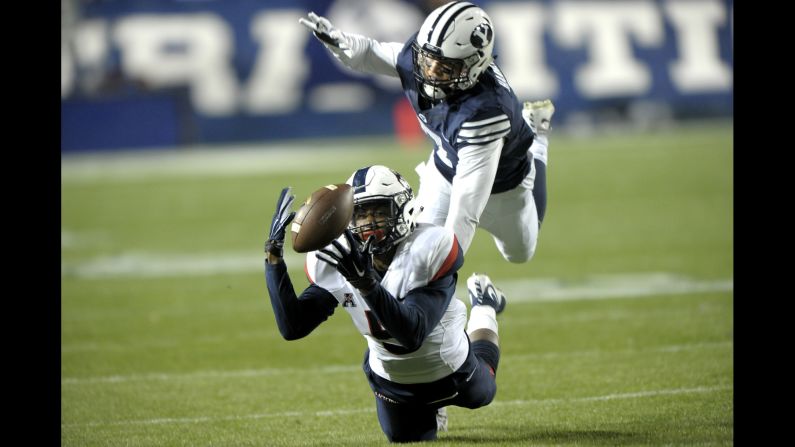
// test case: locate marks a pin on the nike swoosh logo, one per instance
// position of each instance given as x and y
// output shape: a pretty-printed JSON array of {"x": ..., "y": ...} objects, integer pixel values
[{"x": 359, "y": 272}]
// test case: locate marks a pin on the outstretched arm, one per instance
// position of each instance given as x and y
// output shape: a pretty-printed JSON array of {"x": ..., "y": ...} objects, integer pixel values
[
  {"x": 295, "y": 316},
  {"x": 355, "y": 51}
]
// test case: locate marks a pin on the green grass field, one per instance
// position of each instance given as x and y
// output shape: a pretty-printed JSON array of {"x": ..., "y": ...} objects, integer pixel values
[{"x": 619, "y": 332}]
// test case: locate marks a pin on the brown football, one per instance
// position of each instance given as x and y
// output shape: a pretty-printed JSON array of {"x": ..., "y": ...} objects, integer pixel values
[{"x": 323, "y": 217}]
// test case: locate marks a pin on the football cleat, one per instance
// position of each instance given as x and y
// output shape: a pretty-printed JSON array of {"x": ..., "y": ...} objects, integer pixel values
[
  {"x": 441, "y": 419},
  {"x": 538, "y": 115},
  {"x": 483, "y": 293}
]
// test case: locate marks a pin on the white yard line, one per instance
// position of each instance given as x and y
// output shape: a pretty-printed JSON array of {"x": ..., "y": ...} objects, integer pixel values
[
  {"x": 630, "y": 285},
  {"x": 617, "y": 396},
  {"x": 334, "y": 369},
  {"x": 597, "y": 287},
  {"x": 180, "y": 377},
  {"x": 598, "y": 353},
  {"x": 139, "y": 264},
  {"x": 333, "y": 413}
]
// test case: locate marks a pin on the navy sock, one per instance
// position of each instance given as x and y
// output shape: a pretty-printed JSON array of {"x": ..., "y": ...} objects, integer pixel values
[{"x": 540, "y": 190}]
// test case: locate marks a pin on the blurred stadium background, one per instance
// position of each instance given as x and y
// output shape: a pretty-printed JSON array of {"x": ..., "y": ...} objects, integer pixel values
[
  {"x": 182, "y": 119},
  {"x": 186, "y": 72}
]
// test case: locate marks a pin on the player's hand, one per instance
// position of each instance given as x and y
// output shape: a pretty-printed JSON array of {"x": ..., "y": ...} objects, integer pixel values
[
  {"x": 281, "y": 218},
  {"x": 356, "y": 264},
  {"x": 323, "y": 29}
]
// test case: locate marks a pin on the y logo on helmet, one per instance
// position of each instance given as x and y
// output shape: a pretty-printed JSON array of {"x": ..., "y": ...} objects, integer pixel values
[{"x": 481, "y": 35}]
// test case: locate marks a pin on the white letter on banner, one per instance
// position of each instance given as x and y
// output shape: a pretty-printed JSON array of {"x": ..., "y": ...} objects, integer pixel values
[
  {"x": 277, "y": 79},
  {"x": 90, "y": 44},
  {"x": 185, "y": 49},
  {"x": 520, "y": 38},
  {"x": 67, "y": 71},
  {"x": 606, "y": 27},
  {"x": 699, "y": 67}
]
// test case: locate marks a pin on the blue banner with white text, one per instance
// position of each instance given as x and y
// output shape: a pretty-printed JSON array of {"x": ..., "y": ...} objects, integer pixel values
[{"x": 166, "y": 73}]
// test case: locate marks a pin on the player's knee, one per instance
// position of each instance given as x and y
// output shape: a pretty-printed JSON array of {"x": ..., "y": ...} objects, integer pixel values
[
  {"x": 484, "y": 395},
  {"x": 413, "y": 428},
  {"x": 488, "y": 395},
  {"x": 403, "y": 440},
  {"x": 515, "y": 259},
  {"x": 520, "y": 253},
  {"x": 519, "y": 257},
  {"x": 403, "y": 437}
]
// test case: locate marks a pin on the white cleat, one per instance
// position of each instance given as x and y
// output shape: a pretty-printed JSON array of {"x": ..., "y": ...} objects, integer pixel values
[
  {"x": 483, "y": 293},
  {"x": 441, "y": 419},
  {"x": 538, "y": 115}
]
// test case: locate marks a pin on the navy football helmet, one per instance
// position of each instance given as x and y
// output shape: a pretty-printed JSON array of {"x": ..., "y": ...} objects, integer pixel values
[{"x": 378, "y": 185}]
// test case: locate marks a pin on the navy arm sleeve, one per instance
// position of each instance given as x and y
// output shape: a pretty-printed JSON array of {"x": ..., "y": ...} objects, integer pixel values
[
  {"x": 296, "y": 316},
  {"x": 411, "y": 319}
]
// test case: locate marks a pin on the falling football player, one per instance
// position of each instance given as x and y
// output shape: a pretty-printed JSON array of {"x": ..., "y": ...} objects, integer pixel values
[{"x": 396, "y": 278}]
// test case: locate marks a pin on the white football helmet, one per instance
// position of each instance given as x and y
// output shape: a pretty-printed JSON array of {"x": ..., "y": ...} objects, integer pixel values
[
  {"x": 453, "y": 48},
  {"x": 376, "y": 185}
]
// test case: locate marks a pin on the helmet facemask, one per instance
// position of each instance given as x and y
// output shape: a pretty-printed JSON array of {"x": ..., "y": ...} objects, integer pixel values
[
  {"x": 439, "y": 77},
  {"x": 373, "y": 218},
  {"x": 387, "y": 223}
]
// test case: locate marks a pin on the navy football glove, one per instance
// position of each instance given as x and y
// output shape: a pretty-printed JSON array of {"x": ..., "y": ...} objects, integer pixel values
[
  {"x": 281, "y": 218},
  {"x": 356, "y": 264}
]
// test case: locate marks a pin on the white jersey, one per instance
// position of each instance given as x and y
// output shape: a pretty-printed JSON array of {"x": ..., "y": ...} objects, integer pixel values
[{"x": 425, "y": 255}]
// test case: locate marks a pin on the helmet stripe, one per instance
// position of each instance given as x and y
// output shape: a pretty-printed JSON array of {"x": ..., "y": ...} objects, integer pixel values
[
  {"x": 450, "y": 20},
  {"x": 439, "y": 17},
  {"x": 359, "y": 178}
]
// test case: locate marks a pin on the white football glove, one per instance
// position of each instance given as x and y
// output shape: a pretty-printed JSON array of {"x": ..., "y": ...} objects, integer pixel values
[{"x": 324, "y": 30}]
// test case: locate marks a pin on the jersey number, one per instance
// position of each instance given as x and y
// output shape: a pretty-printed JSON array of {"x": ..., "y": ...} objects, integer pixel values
[
  {"x": 440, "y": 152},
  {"x": 376, "y": 330}
]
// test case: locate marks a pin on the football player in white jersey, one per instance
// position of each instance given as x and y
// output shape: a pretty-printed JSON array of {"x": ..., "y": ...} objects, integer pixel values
[
  {"x": 396, "y": 279},
  {"x": 488, "y": 166}
]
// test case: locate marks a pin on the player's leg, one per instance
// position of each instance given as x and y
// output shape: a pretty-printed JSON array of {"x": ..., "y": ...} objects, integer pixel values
[
  {"x": 406, "y": 423},
  {"x": 512, "y": 219},
  {"x": 540, "y": 190},
  {"x": 487, "y": 301},
  {"x": 538, "y": 115},
  {"x": 400, "y": 420},
  {"x": 433, "y": 195}
]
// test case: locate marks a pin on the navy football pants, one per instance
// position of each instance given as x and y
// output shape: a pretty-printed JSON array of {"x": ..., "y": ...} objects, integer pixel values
[{"x": 407, "y": 413}]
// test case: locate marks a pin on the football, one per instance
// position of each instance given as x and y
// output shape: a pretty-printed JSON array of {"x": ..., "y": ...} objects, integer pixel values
[{"x": 323, "y": 217}]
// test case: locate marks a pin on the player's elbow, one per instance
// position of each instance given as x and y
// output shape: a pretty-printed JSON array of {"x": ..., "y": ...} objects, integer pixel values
[
  {"x": 414, "y": 340},
  {"x": 411, "y": 341},
  {"x": 290, "y": 336},
  {"x": 289, "y": 333},
  {"x": 412, "y": 344}
]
